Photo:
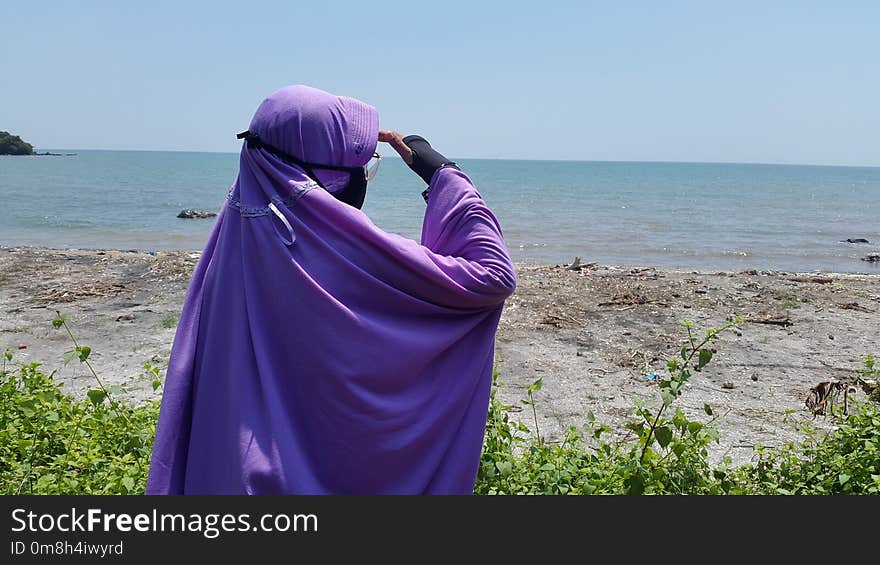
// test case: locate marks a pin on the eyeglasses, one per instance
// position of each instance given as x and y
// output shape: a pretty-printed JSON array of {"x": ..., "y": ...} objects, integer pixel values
[{"x": 372, "y": 167}]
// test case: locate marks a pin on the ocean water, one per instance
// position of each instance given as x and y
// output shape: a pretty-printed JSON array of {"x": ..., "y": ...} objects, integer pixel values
[{"x": 677, "y": 215}]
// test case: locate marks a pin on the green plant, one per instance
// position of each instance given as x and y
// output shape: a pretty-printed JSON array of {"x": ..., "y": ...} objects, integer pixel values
[
  {"x": 169, "y": 322},
  {"x": 868, "y": 378},
  {"x": 788, "y": 299},
  {"x": 663, "y": 454},
  {"x": 670, "y": 454},
  {"x": 666, "y": 454},
  {"x": 844, "y": 461},
  {"x": 53, "y": 443}
]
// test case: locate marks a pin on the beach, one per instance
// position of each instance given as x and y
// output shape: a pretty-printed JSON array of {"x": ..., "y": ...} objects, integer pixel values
[{"x": 594, "y": 333}]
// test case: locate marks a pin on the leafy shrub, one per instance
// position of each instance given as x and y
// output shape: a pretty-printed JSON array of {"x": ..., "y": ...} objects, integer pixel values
[
  {"x": 669, "y": 455},
  {"x": 52, "y": 443},
  {"x": 663, "y": 455},
  {"x": 846, "y": 461}
]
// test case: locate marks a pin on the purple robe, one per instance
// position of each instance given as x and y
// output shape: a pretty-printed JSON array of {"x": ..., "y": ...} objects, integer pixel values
[{"x": 317, "y": 353}]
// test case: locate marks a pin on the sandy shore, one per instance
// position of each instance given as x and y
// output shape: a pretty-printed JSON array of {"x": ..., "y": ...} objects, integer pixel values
[{"x": 591, "y": 333}]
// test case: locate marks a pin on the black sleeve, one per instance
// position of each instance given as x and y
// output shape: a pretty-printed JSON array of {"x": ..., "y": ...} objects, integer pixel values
[{"x": 426, "y": 160}]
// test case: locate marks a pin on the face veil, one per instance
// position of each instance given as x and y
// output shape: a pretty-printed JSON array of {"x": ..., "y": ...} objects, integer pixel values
[{"x": 354, "y": 179}]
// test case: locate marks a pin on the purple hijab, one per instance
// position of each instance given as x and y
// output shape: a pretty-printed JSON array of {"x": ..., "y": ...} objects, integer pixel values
[{"x": 319, "y": 354}]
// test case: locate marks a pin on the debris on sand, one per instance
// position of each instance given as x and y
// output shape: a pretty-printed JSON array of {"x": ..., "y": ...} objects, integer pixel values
[
  {"x": 71, "y": 293},
  {"x": 854, "y": 306},
  {"x": 824, "y": 394},
  {"x": 561, "y": 320},
  {"x": 576, "y": 265}
]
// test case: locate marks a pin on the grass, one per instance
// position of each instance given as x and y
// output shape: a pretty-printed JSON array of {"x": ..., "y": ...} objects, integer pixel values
[
  {"x": 53, "y": 443},
  {"x": 674, "y": 458}
]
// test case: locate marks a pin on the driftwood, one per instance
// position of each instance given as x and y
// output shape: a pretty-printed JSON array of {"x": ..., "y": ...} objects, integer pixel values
[
  {"x": 854, "y": 306},
  {"x": 576, "y": 265},
  {"x": 784, "y": 322},
  {"x": 560, "y": 320},
  {"x": 820, "y": 280}
]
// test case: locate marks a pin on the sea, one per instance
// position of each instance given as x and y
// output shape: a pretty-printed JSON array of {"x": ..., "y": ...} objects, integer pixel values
[{"x": 700, "y": 216}]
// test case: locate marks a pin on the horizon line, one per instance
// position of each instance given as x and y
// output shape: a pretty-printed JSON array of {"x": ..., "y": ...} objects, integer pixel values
[{"x": 537, "y": 159}]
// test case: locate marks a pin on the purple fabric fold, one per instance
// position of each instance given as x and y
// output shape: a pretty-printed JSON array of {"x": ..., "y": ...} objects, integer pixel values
[{"x": 323, "y": 355}]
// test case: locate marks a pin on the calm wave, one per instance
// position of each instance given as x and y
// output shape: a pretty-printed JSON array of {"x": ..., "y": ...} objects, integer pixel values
[{"x": 679, "y": 215}]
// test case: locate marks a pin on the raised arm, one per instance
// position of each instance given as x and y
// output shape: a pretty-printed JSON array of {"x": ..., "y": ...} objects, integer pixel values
[{"x": 459, "y": 228}]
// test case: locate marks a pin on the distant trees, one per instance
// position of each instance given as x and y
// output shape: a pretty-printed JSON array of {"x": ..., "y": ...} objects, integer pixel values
[{"x": 14, "y": 145}]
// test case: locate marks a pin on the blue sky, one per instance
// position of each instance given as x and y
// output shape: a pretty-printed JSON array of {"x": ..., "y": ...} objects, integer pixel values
[{"x": 777, "y": 82}]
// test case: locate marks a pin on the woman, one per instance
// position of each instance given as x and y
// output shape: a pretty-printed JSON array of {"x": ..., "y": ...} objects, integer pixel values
[{"x": 317, "y": 353}]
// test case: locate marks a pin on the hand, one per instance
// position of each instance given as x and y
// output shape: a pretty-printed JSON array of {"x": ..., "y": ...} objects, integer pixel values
[{"x": 396, "y": 141}]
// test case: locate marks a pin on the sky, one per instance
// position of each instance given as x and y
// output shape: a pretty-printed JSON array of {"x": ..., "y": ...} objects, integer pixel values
[{"x": 767, "y": 82}]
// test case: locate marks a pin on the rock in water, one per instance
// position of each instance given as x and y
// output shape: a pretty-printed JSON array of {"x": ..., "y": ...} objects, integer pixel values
[
  {"x": 189, "y": 214},
  {"x": 857, "y": 240},
  {"x": 872, "y": 258}
]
